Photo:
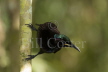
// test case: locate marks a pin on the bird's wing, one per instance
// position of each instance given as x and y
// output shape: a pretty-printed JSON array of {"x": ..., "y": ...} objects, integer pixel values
[{"x": 45, "y": 32}]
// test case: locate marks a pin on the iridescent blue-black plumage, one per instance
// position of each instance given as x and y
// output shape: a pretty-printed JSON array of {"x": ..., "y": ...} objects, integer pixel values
[
  {"x": 66, "y": 42},
  {"x": 50, "y": 39}
]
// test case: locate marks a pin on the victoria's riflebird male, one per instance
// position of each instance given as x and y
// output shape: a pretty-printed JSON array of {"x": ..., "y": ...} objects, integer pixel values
[{"x": 51, "y": 39}]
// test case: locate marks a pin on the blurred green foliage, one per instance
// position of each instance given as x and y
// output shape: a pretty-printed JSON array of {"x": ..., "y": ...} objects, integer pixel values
[{"x": 84, "y": 21}]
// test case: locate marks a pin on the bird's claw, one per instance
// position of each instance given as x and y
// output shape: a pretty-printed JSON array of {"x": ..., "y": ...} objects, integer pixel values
[
  {"x": 31, "y": 26},
  {"x": 30, "y": 57}
]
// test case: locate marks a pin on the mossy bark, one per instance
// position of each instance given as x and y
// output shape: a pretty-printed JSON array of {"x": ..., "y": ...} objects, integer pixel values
[{"x": 25, "y": 34}]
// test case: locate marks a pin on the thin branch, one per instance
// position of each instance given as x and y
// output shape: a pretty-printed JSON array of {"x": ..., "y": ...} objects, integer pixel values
[{"x": 25, "y": 34}]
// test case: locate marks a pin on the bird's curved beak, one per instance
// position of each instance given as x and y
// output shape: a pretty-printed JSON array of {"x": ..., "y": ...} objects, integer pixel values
[{"x": 73, "y": 46}]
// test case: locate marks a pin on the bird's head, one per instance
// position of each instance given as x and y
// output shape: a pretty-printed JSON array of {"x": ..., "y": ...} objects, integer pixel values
[{"x": 65, "y": 41}]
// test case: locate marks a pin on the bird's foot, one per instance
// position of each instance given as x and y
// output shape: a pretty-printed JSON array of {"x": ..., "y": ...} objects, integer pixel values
[
  {"x": 31, "y": 26},
  {"x": 37, "y": 24},
  {"x": 30, "y": 57}
]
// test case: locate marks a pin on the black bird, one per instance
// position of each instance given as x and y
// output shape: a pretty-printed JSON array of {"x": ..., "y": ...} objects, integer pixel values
[{"x": 50, "y": 39}]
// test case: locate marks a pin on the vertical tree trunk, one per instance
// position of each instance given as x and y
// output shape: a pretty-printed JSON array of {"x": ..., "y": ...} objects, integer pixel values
[{"x": 25, "y": 34}]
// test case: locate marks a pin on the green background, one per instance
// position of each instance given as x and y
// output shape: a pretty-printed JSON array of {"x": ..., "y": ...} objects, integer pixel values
[{"x": 85, "y": 22}]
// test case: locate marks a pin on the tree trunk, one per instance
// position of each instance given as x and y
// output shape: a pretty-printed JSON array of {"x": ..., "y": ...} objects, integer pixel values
[{"x": 25, "y": 34}]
